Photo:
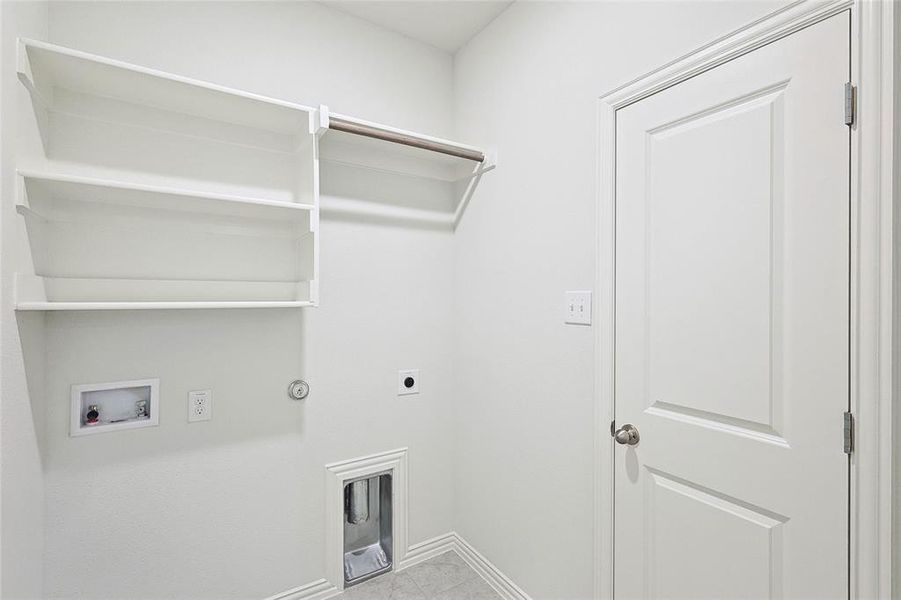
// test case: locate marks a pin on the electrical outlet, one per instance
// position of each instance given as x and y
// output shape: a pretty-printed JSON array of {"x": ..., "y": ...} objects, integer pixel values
[
  {"x": 200, "y": 406},
  {"x": 408, "y": 382},
  {"x": 578, "y": 308}
]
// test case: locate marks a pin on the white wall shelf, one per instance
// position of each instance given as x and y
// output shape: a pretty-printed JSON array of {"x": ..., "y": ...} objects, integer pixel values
[
  {"x": 61, "y": 293},
  {"x": 343, "y": 147},
  {"x": 47, "y": 69},
  {"x": 73, "y": 306},
  {"x": 34, "y": 292},
  {"x": 122, "y": 121},
  {"x": 433, "y": 179},
  {"x": 107, "y": 245},
  {"x": 50, "y": 192},
  {"x": 157, "y": 191}
]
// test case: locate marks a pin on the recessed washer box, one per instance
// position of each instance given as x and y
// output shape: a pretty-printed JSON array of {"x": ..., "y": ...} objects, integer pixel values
[{"x": 102, "y": 407}]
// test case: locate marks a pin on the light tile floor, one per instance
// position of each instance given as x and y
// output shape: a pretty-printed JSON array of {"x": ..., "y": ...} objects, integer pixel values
[{"x": 445, "y": 577}]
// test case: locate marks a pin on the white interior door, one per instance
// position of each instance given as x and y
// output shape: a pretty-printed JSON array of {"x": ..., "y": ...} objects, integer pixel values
[{"x": 732, "y": 346}]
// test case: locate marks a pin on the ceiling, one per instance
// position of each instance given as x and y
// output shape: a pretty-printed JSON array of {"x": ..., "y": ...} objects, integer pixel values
[{"x": 445, "y": 24}]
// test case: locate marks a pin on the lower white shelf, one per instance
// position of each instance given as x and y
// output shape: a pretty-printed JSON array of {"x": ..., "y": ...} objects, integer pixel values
[
  {"x": 157, "y": 305},
  {"x": 60, "y": 293},
  {"x": 111, "y": 245}
]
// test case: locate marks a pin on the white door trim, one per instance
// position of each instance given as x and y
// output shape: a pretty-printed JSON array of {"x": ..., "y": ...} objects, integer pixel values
[{"x": 871, "y": 274}]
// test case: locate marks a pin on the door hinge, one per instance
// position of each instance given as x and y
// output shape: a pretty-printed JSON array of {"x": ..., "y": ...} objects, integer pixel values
[
  {"x": 848, "y": 432},
  {"x": 850, "y": 103}
]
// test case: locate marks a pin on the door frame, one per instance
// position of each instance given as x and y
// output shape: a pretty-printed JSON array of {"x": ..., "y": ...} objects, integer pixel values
[{"x": 872, "y": 277}]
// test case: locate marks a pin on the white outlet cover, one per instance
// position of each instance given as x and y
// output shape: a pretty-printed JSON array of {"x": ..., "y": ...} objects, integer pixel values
[
  {"x": 403, "y": 389},
  {"x": 578, "y": 308},
  {"x": 200, "y": 405}
]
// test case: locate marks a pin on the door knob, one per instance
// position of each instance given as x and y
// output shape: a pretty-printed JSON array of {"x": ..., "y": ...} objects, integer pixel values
[{"x": 627, "y": 434}]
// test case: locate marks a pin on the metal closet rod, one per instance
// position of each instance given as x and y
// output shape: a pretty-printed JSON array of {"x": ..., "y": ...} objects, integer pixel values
[{"x": 339, "y": 124}]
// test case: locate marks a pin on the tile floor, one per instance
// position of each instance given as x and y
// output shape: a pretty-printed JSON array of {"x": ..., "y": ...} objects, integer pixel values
[{"x": 445, "y": 577}]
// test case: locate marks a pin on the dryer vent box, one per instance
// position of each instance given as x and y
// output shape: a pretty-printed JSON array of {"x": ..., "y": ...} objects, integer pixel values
[{"x": 368, "y": 538}]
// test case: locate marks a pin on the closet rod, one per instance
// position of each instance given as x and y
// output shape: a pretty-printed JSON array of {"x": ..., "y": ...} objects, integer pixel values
[{"x": 339, "y": 124}]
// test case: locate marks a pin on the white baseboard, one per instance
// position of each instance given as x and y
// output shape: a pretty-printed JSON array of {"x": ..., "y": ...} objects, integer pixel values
[
  {"x": 317, "y": 590},
  {"x": 428, "y": 549},
  {"x": 502, "y": 584},
  {"x": 417, "y": 553}
]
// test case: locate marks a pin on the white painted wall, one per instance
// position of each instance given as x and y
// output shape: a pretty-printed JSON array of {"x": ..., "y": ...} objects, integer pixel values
[
  {"x": 21, "y": 478},
  {"x": 523, "y": 380},
  {"x": 234, "y": 508}
]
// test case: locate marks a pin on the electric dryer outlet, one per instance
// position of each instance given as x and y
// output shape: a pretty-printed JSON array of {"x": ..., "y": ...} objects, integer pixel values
[{"x": 408, "y": 382}]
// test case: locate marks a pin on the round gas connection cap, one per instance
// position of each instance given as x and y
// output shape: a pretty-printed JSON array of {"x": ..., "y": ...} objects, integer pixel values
[{"x": 298, "y": 389}]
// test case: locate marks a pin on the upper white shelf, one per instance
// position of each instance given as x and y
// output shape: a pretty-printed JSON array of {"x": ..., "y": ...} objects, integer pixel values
[{"x": 45, "y": 68}]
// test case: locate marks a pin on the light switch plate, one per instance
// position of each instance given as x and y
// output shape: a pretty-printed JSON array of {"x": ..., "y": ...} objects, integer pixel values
[
  {"x": 578, "y": 308},
  {"x": 200, "y": 405}
]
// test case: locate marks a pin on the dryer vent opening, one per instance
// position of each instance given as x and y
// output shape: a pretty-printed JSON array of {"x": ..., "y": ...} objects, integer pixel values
[{"x": 368, "y": 549}]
